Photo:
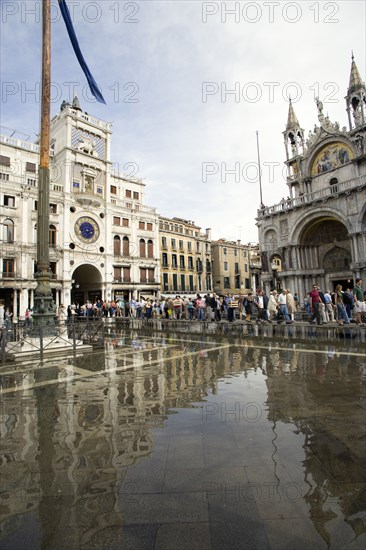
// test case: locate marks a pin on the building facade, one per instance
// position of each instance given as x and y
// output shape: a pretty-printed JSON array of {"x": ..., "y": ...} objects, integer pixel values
[
  {"x": 318, "y": 233},
  {"x": 103, "y": 240},
  {"x": 231, "y": 267},
  {"x": 185, "y": 256}
]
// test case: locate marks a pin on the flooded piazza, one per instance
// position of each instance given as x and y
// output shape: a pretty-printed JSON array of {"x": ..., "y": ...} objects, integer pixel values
[{"x": 186, "y": 441}]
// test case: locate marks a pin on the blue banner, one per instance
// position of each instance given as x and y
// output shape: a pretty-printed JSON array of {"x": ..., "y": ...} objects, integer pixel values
[{"x": 74, "y": 41}]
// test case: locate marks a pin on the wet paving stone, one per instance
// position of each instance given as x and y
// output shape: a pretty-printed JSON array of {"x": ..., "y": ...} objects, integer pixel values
[{"x": 186, "y": 441}]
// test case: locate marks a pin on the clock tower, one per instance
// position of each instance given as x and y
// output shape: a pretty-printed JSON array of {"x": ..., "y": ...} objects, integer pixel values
[{"x": 100, "y": 211}]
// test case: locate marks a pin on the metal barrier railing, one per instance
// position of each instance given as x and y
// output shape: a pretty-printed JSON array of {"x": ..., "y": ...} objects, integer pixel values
[{"x": 33, "y": 338}]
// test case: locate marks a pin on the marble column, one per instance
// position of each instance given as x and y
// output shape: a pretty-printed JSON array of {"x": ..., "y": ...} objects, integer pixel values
[
  {"x": 23, "y": 301},
  {"x": 15, "y": 304}
]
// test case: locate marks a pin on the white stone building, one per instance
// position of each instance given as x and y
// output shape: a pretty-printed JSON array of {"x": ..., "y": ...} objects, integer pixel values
[
  {"x": 318, "y": 233},
  {"x": 103, "y": 239}
]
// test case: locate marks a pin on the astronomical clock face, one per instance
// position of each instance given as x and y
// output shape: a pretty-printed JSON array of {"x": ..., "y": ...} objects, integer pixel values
[{"x": 87, "y": 230}]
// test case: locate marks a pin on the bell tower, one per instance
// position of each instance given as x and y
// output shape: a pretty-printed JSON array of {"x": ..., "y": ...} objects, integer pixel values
[
  {"x": 356, "y": 99},
  {"x": 294, "y": 144}
]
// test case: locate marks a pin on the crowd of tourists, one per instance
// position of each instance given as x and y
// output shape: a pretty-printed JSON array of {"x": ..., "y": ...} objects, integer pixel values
[
  {"x": 342, "y": 306},
  {"x": 280, "y": 306}
]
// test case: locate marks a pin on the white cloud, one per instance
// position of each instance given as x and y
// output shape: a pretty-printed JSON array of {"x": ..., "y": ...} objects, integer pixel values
[{"x": 170, "y": 132}]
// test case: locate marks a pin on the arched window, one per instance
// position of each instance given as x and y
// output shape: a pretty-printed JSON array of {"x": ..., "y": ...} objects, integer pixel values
[
  {"x": 117, "y": 245},
  {"x": 9, "y": 231},
  {"x": 52, "y": 236},
  {"x": 126, "y": 246},
  {"x": 142, "y": 248},
  {"x": 150, "y": 249}
]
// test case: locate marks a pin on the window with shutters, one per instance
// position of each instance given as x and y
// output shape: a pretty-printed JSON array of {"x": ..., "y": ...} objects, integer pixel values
[
  {"x": 52, "y": 236},
  {"x": 126, "y": 246},
  {"x": 8, "y": 268},
  {"x": 117, "y": 274},
  {"x": 4, "y": 161},
  {"x": 175, "y": 282},
  {"x": 150, "y": 249},
  {"x": 142, "y": 275},
  {"x": 117, "y": 245},
  {"x": 9, "y": 231},
  {"x": 165, "y": 281},
  {"x": 31, "y": 167},
  {"x": 53, "y": 270},
  {"x": 9, "y": 200},
  {"x": 126, "y": 274},
  {"x": 142, "y": 248}
]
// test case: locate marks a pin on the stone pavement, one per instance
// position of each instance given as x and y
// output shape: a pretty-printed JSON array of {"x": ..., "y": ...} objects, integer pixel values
[{"x": 186, "y": 441}]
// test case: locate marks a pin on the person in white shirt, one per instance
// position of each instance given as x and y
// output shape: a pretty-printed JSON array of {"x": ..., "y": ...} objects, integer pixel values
[
  {"x": 283, "y": 307},
  {"x": 272, "y": 306},
  {"x": 329, "y": 311}
]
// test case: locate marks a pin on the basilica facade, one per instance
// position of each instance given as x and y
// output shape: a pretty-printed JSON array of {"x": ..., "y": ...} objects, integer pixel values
[{"x": 318, "y": 233}]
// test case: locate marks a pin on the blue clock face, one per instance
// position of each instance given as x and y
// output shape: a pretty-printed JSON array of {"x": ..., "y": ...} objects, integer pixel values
[{"x": 87, "y": 229}]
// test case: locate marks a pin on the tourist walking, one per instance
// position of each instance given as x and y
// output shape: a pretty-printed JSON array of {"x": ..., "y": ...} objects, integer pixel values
[
  {"x": 8, "y": 317},
  {"x": 291, "y": 304},
  {"x": 272, "y": 306},
  {"x": 248, "y": 305},
  {"x": 341, "y": 310},
  {"x": 283, "y": 306},
  {"x": 358, "y": 297},
  {"x": 329, "y": 310},
  {"x": 27, "y": 318},
  {"x": 315, "y": 302},
  {"x": 348, "y": 301},
  {"x": 261, "y": 301},
  {"x": 200, "y": 308}
]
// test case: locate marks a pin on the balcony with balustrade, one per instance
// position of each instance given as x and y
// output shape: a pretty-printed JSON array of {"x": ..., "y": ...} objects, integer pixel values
[{"x": 322, "y": 196}]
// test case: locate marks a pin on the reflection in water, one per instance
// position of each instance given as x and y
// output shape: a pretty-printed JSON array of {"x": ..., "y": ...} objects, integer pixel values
[{"x": 288, "y": 422}]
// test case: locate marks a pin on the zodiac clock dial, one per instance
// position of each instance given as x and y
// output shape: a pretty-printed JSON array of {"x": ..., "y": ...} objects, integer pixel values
[{"x": 87, "y": 230}]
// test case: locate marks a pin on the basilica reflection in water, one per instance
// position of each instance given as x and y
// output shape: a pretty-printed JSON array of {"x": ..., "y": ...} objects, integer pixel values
[{"x": 68, "y": 438}]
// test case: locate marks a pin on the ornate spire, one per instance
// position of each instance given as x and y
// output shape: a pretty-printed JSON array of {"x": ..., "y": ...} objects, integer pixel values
[
  {"x": 292, "y": 121},
  {"x": 355, "y": 81}
]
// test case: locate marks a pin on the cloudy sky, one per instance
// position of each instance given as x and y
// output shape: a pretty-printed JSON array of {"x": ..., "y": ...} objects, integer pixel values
[{"x": 187, "y": 85}]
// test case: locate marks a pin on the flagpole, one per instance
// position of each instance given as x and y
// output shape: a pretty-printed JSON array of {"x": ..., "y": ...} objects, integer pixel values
[
  {"x": 259, "y": 172},
  {"x": 44, "y": 307}
]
